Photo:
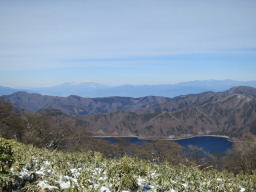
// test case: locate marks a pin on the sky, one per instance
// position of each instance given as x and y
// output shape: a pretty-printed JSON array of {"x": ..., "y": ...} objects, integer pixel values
[{"x": 114, "y": 42}]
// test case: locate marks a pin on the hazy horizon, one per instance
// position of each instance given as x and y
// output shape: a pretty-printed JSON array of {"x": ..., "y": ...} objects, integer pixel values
[{"x": 77, "y": 83}]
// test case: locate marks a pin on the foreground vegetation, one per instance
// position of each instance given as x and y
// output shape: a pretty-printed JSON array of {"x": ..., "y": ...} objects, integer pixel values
[
  {"x": 58, "y": 154},
  {"x": 27, "y": 168}
]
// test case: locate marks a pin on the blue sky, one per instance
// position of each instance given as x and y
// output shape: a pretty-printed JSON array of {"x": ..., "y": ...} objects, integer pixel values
[{"x": 115, "y": 42}]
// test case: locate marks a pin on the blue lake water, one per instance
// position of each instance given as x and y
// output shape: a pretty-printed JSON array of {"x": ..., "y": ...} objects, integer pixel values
[
  {"x": 209, "y": 144},
  {"x": 123, "y": 140}
]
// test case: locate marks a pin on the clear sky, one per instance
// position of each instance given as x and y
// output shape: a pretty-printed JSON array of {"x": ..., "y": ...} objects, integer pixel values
[{"x": 115, "y": 42}]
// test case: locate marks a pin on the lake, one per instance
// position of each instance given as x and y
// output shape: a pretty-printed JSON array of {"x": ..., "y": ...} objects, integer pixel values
[{"x": 210, "y": 144}]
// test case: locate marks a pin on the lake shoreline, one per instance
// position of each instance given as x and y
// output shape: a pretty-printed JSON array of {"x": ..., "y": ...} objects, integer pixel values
[
  {"x": 165, "y": 138},
  {"x": 209, "y": 143}
]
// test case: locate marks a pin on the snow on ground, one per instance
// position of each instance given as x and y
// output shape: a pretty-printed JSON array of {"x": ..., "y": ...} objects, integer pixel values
[
  {"x": 64, "y": 181},
  {"x": 97, "y": 176},
  {"x": 45, "y": 185}
]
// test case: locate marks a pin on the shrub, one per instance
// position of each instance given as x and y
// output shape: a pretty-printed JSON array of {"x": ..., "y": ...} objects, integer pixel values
[
  {"x": 6, "y": 161},
  {"x": 123, "y": 173}
]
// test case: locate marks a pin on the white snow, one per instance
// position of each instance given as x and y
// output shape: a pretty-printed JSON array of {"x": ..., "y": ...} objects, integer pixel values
[
  {"x": 104, "y": 189},
  {"x": 172, "y": 190},
  {"x": 99, "y": 178},
  {"x": 64, "y": 184},
  {"x": 44, "y": 185}
]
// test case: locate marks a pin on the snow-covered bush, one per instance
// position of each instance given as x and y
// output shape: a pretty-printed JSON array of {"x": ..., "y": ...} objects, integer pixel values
[{"x": 38, "y": 169}]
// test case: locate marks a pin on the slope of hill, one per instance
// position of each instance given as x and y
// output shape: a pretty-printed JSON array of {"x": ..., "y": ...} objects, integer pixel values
[
  {"x": 231, "y": 113},
  {"x": 233, "y": 116},
  {"x": 33, "y": 169},
  {"x": 75, "y": 105},
  {"x": 199, "y": 99}
]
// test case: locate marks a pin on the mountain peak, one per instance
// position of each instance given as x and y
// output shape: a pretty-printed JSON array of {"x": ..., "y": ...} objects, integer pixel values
[{"x": 245, "y": 90}]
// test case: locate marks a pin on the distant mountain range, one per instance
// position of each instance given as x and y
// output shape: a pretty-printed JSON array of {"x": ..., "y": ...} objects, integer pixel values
[
  {"x": 7, "y": 90},
  {"x": 91, "y": 89},
  {"x": 232, "y": 112}
]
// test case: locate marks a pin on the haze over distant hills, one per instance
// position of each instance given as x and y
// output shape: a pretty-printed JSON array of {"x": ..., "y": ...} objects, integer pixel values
[
  {"x": 91, "y": 89},
  {"x": 7, "y": 90}
]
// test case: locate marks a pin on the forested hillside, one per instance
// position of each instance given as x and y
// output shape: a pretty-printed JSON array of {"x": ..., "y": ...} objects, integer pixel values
[{"x": 231, "y": 113}]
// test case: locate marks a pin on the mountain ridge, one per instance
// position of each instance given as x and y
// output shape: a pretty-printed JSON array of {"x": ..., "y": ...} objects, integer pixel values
[
  {"x": 218, "y": 118},
  {"x": 232, "y": 113}
]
